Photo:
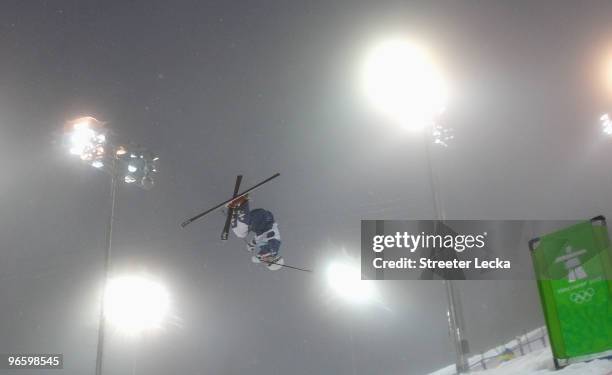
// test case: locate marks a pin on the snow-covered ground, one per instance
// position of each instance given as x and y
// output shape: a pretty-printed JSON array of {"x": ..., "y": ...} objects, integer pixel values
[
  {"x": 536, "y": 361},
  {"x": 540, "y": 362}
]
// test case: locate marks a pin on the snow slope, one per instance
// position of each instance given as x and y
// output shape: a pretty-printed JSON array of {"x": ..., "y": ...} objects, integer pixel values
[
  {"x": 537, "y": 361},
  {"x": 540, "y": 362}
]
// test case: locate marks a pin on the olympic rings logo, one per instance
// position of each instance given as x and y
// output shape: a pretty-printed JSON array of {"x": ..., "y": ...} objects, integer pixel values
[{"x": 582, "y": 296}]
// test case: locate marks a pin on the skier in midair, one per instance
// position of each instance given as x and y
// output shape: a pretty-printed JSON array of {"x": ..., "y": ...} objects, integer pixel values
[{"x": 266, "y": 241}]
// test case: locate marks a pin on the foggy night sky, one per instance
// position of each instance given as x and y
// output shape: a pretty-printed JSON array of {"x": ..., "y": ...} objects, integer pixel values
[{"x": 223, "y": 88}]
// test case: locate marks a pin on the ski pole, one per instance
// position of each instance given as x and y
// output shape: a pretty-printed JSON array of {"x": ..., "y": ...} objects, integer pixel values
[
  {"x": 278, "y": 264},
  {"x": 288, "y": 266}
]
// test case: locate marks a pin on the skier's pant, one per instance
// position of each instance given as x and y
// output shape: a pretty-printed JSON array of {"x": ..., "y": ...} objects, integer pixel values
[{"x": 268, "y": 248}]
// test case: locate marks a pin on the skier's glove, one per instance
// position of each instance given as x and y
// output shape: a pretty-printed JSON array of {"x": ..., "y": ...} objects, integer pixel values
[{"x": 250, "y": 245}]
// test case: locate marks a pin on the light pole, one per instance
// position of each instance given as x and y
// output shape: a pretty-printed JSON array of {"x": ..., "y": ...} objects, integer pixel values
[
  {"x": 93, "y": 143},
  {"x": 107, "y": 263},
  {"x": 455, "y": 319},
  {"x": 402, "y": 82}
]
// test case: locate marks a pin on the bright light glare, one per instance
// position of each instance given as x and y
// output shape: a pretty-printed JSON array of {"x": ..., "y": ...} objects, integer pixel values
[
  {"x": 441, "y": 135},
  {"x": 97, "y": 164},
  {"x": 606, "y": 124},
  {"x": 608, "y": 72},
  {"x": 132, "y": 168},
  {"x": 403, "y": 83},
  {"x": 85, "y": 137},
  {"x": 135, "y": 303},
  {"x": 81, "y": 138},
  {"x": 345, "y": 280}
]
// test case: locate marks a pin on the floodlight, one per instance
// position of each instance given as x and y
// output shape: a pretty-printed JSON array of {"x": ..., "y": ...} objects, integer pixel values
[
  {"x": 441, "y": 135},
  {"x": 345, "y": 279},
  {"x": 134, "y": 304},
  {"x": 606, "y": 124},
  {"x": 86, "y": 138},
  {"x": 139, "y": 168},
  {"x": 121, "y": 150},
  {"x": 81, "y": 139},
  {"x": 401, "y": 80}
]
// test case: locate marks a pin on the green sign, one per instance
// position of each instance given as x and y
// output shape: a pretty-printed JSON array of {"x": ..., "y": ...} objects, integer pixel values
[{"x": 573, "y": 268}]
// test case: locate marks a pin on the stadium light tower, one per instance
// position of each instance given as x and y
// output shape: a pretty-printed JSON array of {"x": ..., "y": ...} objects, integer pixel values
[
  {"x": 90, "y": 140},
  {"x": 402, "y": 82}
]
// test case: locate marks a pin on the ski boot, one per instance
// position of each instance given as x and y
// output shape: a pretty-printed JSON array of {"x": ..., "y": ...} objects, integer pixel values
[{"x": 272, "y": 261}]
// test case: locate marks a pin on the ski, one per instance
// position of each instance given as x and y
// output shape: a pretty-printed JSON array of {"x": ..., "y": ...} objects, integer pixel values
[
  {"x": 279, "y": 264},
  {"x": 288, "y": 266},
  {"x": 230, "y": 211},
  {"x": 189, "y": 221}
]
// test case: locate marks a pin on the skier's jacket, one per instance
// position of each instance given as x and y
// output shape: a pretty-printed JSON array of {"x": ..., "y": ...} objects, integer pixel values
[{"x": 261, "y": 223}]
